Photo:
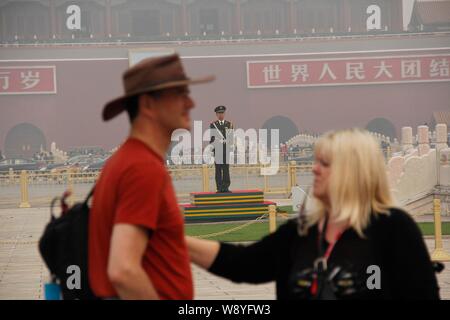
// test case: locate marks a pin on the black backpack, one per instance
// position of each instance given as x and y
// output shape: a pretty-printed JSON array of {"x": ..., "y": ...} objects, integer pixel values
[{"x": 64, "y": 245}]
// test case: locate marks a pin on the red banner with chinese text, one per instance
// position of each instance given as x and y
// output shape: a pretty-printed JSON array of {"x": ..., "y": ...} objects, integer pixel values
[
  {"x": 27, "y": 80},
  {"x": 348, "y": 71}
]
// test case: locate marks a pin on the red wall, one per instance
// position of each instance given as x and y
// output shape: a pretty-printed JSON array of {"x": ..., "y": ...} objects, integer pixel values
[{"x": 72, "y": 116}]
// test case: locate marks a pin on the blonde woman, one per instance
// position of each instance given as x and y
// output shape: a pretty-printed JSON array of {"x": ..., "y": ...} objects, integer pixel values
[{"x": 352, "y": 244}]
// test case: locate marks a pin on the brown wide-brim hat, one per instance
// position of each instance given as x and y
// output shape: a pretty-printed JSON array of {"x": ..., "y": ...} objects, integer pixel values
[{"x": 151, "y": 74}]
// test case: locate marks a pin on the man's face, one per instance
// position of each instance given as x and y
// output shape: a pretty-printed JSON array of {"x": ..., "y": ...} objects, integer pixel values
[
  {"x": 220, "y": 115},
  {"x": 172, "y": 108}
]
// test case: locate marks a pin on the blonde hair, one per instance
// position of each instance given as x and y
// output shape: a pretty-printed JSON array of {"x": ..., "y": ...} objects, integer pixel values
[{"x": 358, "y": 185}]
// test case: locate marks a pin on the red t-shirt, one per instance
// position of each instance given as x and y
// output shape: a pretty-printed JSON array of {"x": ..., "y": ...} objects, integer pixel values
[{"x": 135, "y": 188}]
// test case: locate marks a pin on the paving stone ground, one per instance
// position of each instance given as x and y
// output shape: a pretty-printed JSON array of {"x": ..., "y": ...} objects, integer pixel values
[{"x": 22, "y": 272}]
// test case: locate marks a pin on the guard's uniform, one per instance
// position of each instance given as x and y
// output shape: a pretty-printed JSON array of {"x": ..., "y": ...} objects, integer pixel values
[{"x": 222, "y": 167}]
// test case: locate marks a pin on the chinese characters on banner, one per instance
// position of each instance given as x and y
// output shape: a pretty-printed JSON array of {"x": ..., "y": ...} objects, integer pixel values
[
  {"x": 27, "y": 80},
  {"x": 348, "y": 71}
]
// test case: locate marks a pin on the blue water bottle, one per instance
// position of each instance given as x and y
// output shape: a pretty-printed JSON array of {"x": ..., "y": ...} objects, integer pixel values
[{"x": 52, "y": 290}]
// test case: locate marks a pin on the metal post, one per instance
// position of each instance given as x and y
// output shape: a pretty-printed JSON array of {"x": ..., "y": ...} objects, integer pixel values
[
  {"x": 70, "y": 188},
  {"x": 205, "y": 177},
  {"x": 438, "y": 254},
  {"x": 11, "y": 176},
  {"x": 289, "y": 176},
  {"x": 266, "y": 182},
  {"x": 388, "y": 153},
  {"x": 24, "y": 203},
  {"x": 54, "y": 176},
  {"x": 246, "y": 176},
  {"x": 272, "y": 218},
  {"x": 293, "y": 175}
]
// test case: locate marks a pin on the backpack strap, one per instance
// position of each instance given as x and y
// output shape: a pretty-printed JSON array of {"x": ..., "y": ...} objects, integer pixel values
[{"x": 89, "y": 196}]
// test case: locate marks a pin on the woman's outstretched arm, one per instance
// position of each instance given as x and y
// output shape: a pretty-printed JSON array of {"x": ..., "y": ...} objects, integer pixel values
[
  {"x": 202, "y": 252},
  {"x": 258, "y": 262}
]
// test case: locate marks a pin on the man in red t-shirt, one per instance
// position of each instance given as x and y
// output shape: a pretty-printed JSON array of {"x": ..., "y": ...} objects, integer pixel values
[{"x": 136, "y": 231}]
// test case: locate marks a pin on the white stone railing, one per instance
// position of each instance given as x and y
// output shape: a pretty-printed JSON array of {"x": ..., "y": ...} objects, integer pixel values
[
  {"x": 301, "y": 138},
  {"x": 420, "y": 167}
]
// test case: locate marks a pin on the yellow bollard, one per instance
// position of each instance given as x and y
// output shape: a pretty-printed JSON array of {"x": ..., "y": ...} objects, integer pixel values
[
  {"x": 11, "y": 176},
  {"x": 54, "y": 176},
  {"x": 70, "y": 199},
  {"x": 246, "y": 177},
  {"x": 205, "y": 177},
  {"x": 289, "y": 182},
  {"x": 266, "y": 179},
  {"x": 293, "y": 175},
  {"x": 438, "y": 254},
  {"x": 272, "y": 218},
  {"x": 24, "y": 203}
]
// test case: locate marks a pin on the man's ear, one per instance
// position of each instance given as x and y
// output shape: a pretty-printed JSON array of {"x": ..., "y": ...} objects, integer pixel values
[{"x": 146, "y": 103}]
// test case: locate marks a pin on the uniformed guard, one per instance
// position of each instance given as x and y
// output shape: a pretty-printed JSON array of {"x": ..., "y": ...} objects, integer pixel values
[{"x": 222, "y": 159}]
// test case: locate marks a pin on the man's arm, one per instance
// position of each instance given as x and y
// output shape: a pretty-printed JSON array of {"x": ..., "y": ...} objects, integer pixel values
[
  {"x": 211, "y": 126},
  {"x": 128, "y": 243},
  {"x": 231, "y": 139}
]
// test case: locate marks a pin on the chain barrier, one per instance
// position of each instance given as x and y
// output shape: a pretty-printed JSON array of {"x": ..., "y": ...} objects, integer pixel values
[
  {"x": 284, "y": 216},
  {"x": 205, "y": 236},
  {"x": 17, "y": 242},
  {"x": 220, "y": 233}
]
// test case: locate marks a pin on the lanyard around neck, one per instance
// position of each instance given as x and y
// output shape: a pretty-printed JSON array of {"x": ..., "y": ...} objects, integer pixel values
[
  {"x": 322, "y": 261},
  {"x": 321, "y": 239}
]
